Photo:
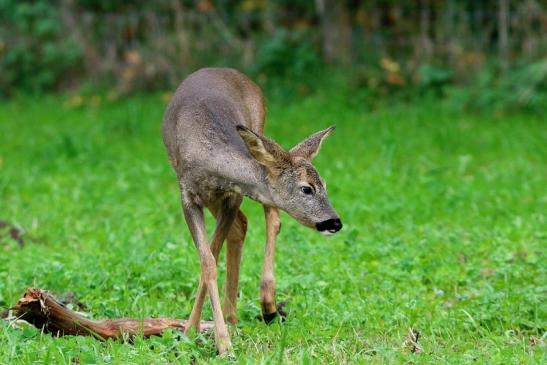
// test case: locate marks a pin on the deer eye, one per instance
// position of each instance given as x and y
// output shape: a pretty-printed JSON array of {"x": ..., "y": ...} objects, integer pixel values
[{"x": 306, "y": 190}]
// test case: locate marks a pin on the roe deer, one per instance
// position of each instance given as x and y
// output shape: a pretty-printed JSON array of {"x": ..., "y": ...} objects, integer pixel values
[{"x": 213, "y": 130}]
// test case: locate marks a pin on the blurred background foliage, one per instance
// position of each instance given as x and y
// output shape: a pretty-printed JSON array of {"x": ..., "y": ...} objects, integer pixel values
[{"x": 488, "y": 53}]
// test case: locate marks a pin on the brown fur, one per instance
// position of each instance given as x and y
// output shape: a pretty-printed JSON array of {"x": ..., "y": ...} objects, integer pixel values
[{"x": 213, "y": 132}]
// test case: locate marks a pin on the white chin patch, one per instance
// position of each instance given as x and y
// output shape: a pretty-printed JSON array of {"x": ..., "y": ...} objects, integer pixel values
[{"x": 328, "y": 232}]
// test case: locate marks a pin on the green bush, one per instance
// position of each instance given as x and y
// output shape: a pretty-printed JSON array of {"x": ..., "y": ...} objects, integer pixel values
[
  {"x": 34, "y": 52},
  {"x": 288, "y": 56},
  {"x": 520, "y": 88},
  {"x": 434, "y": 79}
]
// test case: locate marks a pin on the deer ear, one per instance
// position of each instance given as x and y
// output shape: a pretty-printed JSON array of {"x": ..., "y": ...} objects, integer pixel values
[
  {"x": 309, "y": 147},
  {"x": 264, "y": 150}
]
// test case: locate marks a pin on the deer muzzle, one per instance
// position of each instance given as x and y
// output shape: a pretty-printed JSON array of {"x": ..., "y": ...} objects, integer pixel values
[{"x": 330, "y": 226}]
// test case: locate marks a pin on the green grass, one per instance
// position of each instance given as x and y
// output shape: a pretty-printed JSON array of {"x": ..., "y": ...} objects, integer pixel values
[{"x": 444, "y": 233}]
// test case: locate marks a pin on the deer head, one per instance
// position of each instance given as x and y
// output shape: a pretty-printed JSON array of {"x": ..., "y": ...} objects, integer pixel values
[{"x": 294, "y": 184}]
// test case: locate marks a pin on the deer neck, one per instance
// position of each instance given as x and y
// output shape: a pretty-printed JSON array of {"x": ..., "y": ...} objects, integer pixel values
[{"x": 256, "y": 185}]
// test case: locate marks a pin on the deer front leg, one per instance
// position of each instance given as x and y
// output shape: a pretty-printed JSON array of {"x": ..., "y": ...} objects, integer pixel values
[
  {"x": 235, "y": 240},
  {"x": 267, "y": 287},
  {"x": 194, "y": 218}
]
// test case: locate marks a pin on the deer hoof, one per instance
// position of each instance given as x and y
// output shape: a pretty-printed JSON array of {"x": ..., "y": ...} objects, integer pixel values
[{"x": 268, "y": 318}]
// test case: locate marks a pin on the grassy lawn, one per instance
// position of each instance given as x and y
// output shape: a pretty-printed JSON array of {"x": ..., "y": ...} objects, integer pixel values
[{"x": 445, "y": 234}]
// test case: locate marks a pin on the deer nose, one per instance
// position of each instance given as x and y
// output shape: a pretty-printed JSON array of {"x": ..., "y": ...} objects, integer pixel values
[{"x": 330, "y": 225}]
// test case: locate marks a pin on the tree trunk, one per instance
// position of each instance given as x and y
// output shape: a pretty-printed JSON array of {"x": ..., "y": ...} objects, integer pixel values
[
  {"x": 335, "y": 30},
  {"x": 503, "y": 32},
  {"x": 426, "y": 46}
]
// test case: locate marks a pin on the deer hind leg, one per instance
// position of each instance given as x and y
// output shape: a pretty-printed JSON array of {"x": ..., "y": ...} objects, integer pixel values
[
  {"x": 223, "y": 213},
  {"x": 235, "y": 240},
  {"x": 208, "y": 279},
  {"x": 267, "y": 287}
]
